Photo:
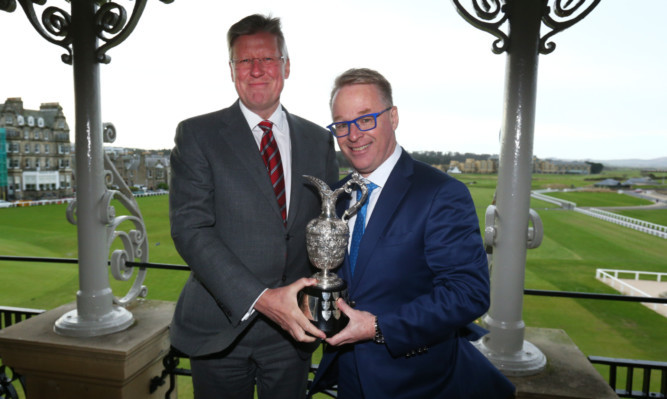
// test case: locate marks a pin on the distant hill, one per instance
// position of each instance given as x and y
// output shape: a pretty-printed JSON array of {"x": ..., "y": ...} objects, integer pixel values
[{"x": 657, "y": 163}]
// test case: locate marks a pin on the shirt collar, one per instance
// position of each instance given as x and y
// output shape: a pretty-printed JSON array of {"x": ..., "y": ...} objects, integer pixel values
[
  {"x": 381, "y": 174},
  {"x": 278, "y": 117}
]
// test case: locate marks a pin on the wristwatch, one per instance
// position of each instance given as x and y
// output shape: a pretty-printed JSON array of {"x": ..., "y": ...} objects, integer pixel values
[{"x": 379, "y": 338}]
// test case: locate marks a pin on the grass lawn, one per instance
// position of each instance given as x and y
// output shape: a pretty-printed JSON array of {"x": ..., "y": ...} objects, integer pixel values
[
  {"x": 574, "y": 245},
  {"x": 599, "y": 199},
  {"x": 652, "y": 216}
]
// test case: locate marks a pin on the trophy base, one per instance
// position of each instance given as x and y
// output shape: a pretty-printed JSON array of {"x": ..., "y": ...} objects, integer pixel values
[{"x": 322, "y": 310}]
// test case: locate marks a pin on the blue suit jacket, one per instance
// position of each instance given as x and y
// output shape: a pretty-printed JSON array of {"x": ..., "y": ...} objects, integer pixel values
[{"x": 422, "y": 270}]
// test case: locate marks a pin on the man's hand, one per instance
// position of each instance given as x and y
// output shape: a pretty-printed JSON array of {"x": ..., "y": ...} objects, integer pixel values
[
  {"x": 280, "y": 305},
  {"x": 361, "y": 326}
]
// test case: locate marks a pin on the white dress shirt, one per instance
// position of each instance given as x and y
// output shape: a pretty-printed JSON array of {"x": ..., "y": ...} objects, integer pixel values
[
  {"x": 379, "y": 177},
  {"x": 282, "y": 137}
]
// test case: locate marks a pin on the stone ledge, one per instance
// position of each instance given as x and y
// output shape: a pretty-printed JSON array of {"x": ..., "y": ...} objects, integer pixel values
[
  {"x": 109, "y": 365},
  {"x": 568, "y": 375}
]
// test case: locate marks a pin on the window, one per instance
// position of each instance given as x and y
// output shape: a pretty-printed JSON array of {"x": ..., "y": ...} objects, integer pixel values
[
  {"x": 20, "y": 120},
  {"x": 26, "y": 134},
  {"x": 8, "y": 120},
  {"x": 37, "y": 135},
  {"x": 47, "y": 163},
  {"x": 36, "y": 148},
  {"x": 31, "y": 121},
  {"x": 40, "y": 122},
  {"x": 27, "y": 149},
  {"x": 46, "y": 148},
  {"x": 27, "y": 164}
]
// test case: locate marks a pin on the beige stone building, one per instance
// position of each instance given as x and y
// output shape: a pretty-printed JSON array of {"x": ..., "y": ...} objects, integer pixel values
[
  {"x": 539, "y": 166},
  {"x": 471, "y": 165},
  {"x": 549, "y": 166},
  {"x": 37, "y": 152},
  {"x": 147, "y": 170}
]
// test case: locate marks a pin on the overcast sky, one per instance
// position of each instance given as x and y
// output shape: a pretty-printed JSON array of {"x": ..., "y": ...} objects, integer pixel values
[{"x": 602, "y": 94}]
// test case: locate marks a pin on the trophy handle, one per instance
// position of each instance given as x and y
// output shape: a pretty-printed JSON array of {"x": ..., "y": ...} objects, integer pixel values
[
  {"x": 355, "y": 179},
  {"x": 322, "y": 187}
]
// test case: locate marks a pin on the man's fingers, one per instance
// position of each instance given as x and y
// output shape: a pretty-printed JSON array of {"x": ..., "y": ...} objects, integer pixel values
[
  {"x": 343, "y": 306},
  {"x": 314, "y": 331},
  {"x": 303, "y": 282}
]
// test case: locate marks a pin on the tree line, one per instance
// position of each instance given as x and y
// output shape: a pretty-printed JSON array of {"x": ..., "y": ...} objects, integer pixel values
[{"x": 429, "y": 157}]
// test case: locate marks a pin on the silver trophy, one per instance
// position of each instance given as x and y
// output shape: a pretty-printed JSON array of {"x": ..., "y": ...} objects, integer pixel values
[{"x": 327, "y": 239}]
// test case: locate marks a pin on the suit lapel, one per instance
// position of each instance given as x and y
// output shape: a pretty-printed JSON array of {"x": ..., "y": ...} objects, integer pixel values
[
  {"x": 392, "y": 194},
  {"x": 298, "y": 167},
  {"x": 240, "y": 143}
]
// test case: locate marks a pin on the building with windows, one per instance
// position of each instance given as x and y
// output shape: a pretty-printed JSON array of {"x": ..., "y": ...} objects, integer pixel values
[
  {"x": 471, "y": 165},
  {"x": 37, "y": 152},
  {"x": 555, "y": 166},
  {"x": 141, "y": 169}
]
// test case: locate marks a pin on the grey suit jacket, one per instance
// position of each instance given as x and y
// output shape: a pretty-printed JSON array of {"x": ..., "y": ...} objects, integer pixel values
[{"x": 226, "y": 224}]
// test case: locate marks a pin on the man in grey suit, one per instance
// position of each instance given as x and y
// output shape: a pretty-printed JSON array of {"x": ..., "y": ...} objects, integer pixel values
[{"x": 238, "y": 210}]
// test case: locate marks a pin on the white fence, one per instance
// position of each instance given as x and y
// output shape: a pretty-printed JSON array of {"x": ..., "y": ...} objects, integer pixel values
[
  {"x": 18, "y": 204},
  {"x": 625, "y": 221},
  {"x": 613, "y": 279},
  {"x": 636, "y": 224},
  {"x": 553, "y": 200}
]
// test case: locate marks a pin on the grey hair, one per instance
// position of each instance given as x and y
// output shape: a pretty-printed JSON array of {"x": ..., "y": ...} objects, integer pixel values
[
  {"x": 253, "y": 24},
  {"x": 356, "y": 76}
]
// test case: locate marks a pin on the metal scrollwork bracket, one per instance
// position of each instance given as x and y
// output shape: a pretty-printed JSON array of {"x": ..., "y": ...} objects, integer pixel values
[
  {"x": 135, "y": 241},
  {"x": 490, "y": 15},
  {"x": 558, "y": 15},
  {"x": 54, "y": 27},
  {"x": 111, "y": 21},
  {"x": 568, "y": 14},
  {"x": 113, "y": 26}
]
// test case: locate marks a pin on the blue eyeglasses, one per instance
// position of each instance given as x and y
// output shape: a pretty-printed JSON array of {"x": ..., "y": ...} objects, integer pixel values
[{"x": 363, "y": 123}]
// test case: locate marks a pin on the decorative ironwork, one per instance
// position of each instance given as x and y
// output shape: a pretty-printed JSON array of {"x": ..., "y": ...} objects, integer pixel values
[
  {"x": 491, "y": 14},
  {"x": 8, "y": 5},
  {"x": 56, "y": 25},
  {"x": 569, "y": 12},
  {"x": 113, "y": 27},
  {"x": 7, "y": 378},
  {"x": 558, "y": 15},
  {"x": 135, "y": 241},
  {"x": 111, "y": 22}
]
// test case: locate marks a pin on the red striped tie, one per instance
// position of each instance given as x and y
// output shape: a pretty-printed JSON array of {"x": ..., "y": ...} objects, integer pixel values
[{"x": 271, "y": 156}]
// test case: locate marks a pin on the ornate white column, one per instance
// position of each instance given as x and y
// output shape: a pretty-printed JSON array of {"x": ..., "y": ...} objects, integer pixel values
[
  {"x": 507, "y": 232},
  {"x": 98, "y": 311}
]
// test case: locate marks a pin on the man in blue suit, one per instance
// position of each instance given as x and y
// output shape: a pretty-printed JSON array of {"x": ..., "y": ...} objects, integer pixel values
[{"x": 420, "y": 277}]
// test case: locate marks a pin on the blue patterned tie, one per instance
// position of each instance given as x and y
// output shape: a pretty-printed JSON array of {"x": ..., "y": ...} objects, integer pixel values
[{"x": 359, "y": 226}]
